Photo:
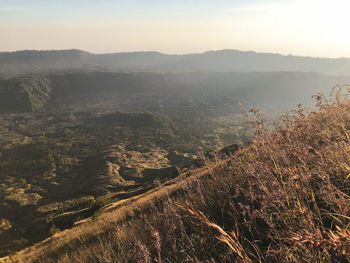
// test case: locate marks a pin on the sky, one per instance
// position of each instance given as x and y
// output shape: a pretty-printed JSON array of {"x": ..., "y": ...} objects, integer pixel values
[{"x": 299, "y": 27}]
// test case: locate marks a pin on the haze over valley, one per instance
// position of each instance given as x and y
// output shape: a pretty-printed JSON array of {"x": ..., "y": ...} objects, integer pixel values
[{"x": 79, "y": 129}]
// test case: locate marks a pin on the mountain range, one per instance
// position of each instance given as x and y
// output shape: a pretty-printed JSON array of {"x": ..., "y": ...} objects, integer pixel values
[{"x": 31, "y": 61}]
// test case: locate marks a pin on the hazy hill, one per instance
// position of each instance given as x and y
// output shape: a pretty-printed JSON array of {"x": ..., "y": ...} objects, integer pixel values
[
  {"x": 223, "y": 60},
  {"x": 174, "y": 94}
]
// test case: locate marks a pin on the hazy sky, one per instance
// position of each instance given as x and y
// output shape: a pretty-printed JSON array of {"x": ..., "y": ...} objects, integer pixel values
[{"x": 301, "y": 27}]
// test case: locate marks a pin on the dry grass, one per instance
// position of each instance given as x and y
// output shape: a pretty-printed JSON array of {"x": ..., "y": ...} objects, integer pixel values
[
  {"x": 89, "y": 229},
  {"x": 283, "y": 198}
]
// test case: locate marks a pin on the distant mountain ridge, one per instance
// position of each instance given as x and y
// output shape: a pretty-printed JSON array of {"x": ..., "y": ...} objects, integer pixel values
[
  {"x": 152, "y": 91},
  {"x": 31, "y": 61}
]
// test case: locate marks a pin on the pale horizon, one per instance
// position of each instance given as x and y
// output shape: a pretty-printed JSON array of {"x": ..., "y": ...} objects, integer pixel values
[
  {"x": 175, "y": 54},
  {"x": 288, "y": 27}
]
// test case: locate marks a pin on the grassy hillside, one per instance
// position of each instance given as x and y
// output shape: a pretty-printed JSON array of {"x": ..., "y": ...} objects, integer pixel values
[{"x": 282, "y": 198}]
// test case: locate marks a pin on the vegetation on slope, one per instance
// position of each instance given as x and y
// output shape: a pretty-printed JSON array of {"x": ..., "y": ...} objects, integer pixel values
[
  {"x": 178, "y": 95},
  {"x": 60, "y": 167},
  {"x": 24, "y": 94},
  {"x": 283, "y": 198}
]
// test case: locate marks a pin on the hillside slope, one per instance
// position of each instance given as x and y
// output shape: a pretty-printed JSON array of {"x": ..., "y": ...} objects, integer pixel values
[
  {"x": 24, "y": 94},
  {"x": 174, "y": 94},
  {"x": 60, "y": 168},
  {"x": 282, "y": 198}
]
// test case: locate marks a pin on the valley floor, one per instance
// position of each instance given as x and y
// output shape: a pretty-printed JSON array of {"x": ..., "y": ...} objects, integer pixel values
[{"x": 285, "y": 197}]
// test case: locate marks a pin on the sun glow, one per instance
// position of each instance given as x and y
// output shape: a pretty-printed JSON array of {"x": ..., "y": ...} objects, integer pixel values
[{"x": 300, "y": 27}]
